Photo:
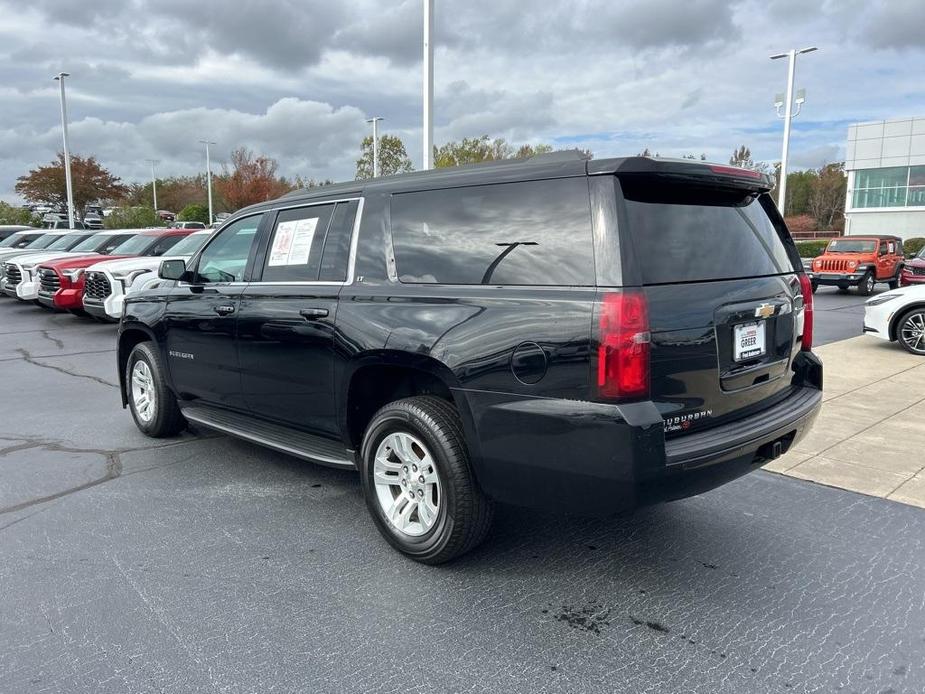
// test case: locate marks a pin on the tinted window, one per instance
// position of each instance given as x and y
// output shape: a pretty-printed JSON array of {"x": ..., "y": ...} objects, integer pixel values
[
  {"x": 225, "y": 258},
  {"x": 66, "y": 242},
  {"x": 41, "y": 242},
  {"x": 535, "y": 233},
  {"x": 162, "y": 245},
  {"x": 684, "y": 233},
  {"x": 134, "y": 245},
  {"x": 294, "y": 254},
  {"x": 108, "y": 244},
  {"x": 336, "y": 254}
]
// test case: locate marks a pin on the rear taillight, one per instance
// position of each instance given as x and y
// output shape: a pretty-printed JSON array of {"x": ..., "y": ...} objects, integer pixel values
[
  {"x": 623, "y": 346},
  {"x": 806, "y": 288}
]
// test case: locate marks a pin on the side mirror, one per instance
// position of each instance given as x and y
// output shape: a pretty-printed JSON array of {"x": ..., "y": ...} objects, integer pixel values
[{"x": 172, "y": 270}]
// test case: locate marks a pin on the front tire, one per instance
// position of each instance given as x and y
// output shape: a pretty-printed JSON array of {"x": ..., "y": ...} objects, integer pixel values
[
  {"x": 866, "y": 287},
  {"x": 910, "y": 331},
  {"x": 418, "y": 482},
  {"x": 153, "y": 405}
]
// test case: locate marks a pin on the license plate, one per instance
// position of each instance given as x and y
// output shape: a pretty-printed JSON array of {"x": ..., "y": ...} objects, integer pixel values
[{"x": 748, "y": 341}]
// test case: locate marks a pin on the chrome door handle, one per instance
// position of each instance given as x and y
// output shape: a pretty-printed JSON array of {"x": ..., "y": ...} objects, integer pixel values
[
  {"x": 223, "y": 310},
  {"x": 313, "y": 313}
]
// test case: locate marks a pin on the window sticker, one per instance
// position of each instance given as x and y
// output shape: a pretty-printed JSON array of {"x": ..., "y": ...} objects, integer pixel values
[{"x": 292, "y": 243}]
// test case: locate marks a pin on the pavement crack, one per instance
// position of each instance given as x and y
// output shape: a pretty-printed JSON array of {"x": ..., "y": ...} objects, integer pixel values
[
  {"x": 60, "y": 369},
  {"x": 47, "y": 335},
  {"x": 113, "y": 471}
]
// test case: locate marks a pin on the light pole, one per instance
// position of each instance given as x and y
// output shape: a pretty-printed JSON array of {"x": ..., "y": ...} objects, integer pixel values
[
  {"x": 428, "y": 84},
  {"x": 788, "y": 116},
  {"x": 375, "y": 121},
  {"x": 153, "y": 163},
  {"x": 67, "y": 156},
  {"x": 209, "y": 176}
]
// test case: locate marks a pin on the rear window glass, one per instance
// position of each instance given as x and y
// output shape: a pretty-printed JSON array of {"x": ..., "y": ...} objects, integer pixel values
[
  {"x": 532, "y": 233},
  {"x": 682, "y": 233}
]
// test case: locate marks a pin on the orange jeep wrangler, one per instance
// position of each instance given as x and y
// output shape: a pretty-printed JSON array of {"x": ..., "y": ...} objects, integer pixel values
[{"x": 859, "y": 261}]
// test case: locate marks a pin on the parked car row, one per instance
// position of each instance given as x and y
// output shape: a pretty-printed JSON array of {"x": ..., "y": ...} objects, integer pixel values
[{"x": 88, "y": 272}]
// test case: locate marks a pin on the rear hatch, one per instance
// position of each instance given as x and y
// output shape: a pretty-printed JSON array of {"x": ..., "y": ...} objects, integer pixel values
[{"x": 719, "y": 272}]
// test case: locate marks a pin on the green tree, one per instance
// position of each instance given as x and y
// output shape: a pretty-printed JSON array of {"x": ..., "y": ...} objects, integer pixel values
[
  {"x": 799, "y": 190},
  {"x": 827, "y": 197},
  {"x": 742, "y": 157},
  {"x": 132, "y": 218},
  {"x": 471, "y": 150},
  {"x": 90, "y": 182},
  {"x": 393, "y": 158},
  {"x": 195, "y": 213},
  {"x": 20, "y": 216}
]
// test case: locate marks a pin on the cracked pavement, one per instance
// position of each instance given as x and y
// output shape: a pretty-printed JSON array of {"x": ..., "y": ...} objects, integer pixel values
[{"x": 208, "y": 564}]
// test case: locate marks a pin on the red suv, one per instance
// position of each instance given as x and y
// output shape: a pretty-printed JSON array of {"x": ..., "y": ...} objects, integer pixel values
[
  {"x": 913, "y": 269},
  {"x": 62, "y": 281}
]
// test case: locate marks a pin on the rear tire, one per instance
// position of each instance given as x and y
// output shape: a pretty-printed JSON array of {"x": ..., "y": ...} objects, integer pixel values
[
  {"x": 414, "y": 449},
  {"x": 910, "y": 331},
  {"x": 153, "y": 405},
  {"x": 814, "y": 287},
  {"x": 868, "y": 282},
  {"x": 843, "y": 289}
]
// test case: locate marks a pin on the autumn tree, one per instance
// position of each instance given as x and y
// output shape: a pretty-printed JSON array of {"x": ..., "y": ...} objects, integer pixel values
[
  {"x": 90, "y": 182},
  {"x": 827, "y": 196},
  {"x": 393, "y": 158},
  {"x": 252, "y": 179}
]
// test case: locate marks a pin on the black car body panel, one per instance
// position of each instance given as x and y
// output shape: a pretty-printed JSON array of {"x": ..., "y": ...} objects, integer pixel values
[{"x": 516, "y": 356}]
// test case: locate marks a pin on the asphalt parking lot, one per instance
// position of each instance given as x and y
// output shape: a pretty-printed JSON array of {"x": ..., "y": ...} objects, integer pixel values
[
  {"x": 208, "y": 564},
  {"x": 839, "y": 316}
]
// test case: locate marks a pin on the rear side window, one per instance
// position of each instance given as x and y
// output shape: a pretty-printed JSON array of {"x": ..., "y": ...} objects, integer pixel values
[
  {"x": 336, "y": 255},
  {"x": 684, "y": 233},
  {"x": 533, "y": 233},
  {"x": 163, "y": 244},
  {"x": 295, "y": 244}
]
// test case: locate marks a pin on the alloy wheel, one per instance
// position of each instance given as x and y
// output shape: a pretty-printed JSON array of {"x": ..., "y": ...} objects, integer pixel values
[
  {"x": 407, "y": 483},
  {"x": 912, "y": 332},
  {"x": 144, "y": 398}
]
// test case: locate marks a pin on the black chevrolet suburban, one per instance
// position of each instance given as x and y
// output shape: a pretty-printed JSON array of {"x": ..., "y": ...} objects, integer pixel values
[{"x": 583, "y": 335}]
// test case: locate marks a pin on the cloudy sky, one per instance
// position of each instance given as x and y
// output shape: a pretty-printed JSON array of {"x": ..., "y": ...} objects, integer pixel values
[{"x": 295, "y": 79}]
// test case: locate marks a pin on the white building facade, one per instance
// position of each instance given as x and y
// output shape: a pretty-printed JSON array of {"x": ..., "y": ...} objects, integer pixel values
[{"x": 885, "y": 163}]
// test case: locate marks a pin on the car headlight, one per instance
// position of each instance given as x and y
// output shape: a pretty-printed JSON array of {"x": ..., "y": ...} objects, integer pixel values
[
  {"x": 74, "y": 275},
  {"x": 882, "y": 299},
  {"x": 817, "y": 263},
  {"x": 852, "y": 264}
]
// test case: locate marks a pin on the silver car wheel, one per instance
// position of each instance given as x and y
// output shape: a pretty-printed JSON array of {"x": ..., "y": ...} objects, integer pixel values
[
  {"x": 912, "y": 332},
  {"x": 407, "y": 484},
  {"x": 144, "y": 397}
]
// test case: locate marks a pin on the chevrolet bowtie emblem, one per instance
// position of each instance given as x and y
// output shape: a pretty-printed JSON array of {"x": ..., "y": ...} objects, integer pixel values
[{"x": 764, "y": 311}]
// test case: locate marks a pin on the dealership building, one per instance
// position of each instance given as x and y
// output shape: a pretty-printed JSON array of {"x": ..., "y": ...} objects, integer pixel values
[{"x": 885, "y": 163}]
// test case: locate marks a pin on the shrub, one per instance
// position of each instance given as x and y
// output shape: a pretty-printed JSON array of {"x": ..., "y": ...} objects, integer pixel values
[
  {"x": 20, "y": 216},
  {"x": 811, "y": 249},
  {"x": 913, "y": 245},
  {"x": 801, "y": 223},
  {"x": 132, "y": 218},
  {"x": 194, "y": 213}
]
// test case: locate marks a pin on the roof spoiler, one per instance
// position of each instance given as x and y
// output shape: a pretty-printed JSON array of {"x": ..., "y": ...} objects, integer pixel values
[{"x": 704, "y": 172}]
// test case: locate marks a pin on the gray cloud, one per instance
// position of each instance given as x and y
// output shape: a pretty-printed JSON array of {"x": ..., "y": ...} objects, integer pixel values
[{"x": 295, "y": 79}]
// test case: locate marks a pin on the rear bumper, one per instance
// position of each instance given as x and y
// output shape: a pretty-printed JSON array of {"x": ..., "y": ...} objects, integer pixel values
[{"x": 599, "y": 459}]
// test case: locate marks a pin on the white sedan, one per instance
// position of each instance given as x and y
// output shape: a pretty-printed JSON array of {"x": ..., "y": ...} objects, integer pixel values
[{"x": 899, "y": 315}]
